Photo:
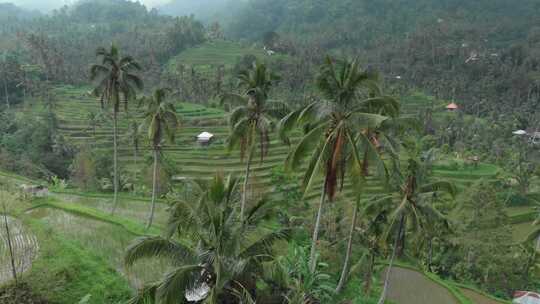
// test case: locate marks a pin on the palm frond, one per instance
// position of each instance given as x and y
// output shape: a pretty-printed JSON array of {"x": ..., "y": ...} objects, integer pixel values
[
  {"x": 172, "y": 288},
  {"x": 147, "y": 247},
  {"x": 146, "y": 295}
]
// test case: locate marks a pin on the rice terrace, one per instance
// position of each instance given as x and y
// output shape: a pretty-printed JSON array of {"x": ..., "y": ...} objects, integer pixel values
[{"x": 269, "y": 152}]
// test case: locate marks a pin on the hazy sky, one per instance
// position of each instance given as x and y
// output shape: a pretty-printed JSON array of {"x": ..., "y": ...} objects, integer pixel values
[{"x": 46, "y": 5}]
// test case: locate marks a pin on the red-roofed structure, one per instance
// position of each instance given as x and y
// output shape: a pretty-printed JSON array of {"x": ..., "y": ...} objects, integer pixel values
[
  {"x": 452, "y": 107},
  {"x": 526, "y": 297}
]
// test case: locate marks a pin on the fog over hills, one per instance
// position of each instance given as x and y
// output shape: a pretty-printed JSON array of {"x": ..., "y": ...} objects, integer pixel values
[{"x": 48, "y": 5}]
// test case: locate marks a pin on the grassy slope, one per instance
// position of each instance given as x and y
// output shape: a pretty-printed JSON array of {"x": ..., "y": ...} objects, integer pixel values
[{"x": 65, "y": 271}]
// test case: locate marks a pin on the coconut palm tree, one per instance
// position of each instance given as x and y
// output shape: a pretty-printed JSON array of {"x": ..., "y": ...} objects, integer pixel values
[
  {"x": 134, "y": 136},
  {"x": 115, "y": 82},
  {"x": 161, "y": 122},
  {"x": 219, "y": 253},
  {"x": 252, "y": 120},
  {"x": 410, "y": 207},
  {"x": 382, "y": 138},
  {"x": 332, "y": 131}
]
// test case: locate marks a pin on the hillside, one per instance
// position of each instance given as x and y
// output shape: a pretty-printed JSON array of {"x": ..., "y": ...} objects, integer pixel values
[{"x": 360, "y": 152}]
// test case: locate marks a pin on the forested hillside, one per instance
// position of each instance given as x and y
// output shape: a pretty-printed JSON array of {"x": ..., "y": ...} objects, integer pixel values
[
  {"x": 483, "y": 54},
  {"x": 270, "y": 152}
]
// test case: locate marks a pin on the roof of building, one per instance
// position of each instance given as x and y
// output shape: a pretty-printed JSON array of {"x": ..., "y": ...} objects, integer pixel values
[
  {"x": 533, "y": 297},
  {"x": 205, "y": 135},
  {"x": 452, "y": 106}
]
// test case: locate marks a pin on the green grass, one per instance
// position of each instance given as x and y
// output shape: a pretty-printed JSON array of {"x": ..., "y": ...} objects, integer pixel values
[
  {"x": 108, "y": 240},
  {"x": 65, "y": 272},
  {"x": 478, "y": 296}
]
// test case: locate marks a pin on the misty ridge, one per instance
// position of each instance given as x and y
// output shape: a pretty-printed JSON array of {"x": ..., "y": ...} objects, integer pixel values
[{"x": 205, "y": 10}]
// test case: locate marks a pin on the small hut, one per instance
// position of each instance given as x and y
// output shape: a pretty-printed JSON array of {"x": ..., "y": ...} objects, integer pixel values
[
  {"x": 452, "y": 107},
  {"x": 34, "y": 190},
  {"x": 205, "y": 138},
  {"x": 526, "y": 297}
]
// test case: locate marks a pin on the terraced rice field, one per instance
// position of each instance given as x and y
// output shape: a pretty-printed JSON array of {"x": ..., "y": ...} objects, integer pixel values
[
  {"x": 24, "y": 245},
  {"x": 105, "y": 239},
  {"x": 191, "y": 159},
  {"x": 135, "y": 210},
  {"x": 411, "y": 287}
]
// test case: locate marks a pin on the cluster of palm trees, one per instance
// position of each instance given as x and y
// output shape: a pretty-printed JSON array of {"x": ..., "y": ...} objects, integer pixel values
[
  {"x": 221, "y": 241},
  {"x": 116, "y": 83}
]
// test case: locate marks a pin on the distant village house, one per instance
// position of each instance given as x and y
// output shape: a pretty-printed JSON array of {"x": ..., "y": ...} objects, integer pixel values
[{"x": 205, "y": 138}]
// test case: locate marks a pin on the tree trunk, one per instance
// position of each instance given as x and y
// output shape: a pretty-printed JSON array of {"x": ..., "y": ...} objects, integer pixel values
[
  {"x": 387, "y": 276},
  {"x": 365, "y": 164},
  {"x": 154, "y": 189},
  {"x": 345, "y": 270},
  {"x": 313, "y": 254},
  {"x": 10, "y": 246},
  {"x": 401, "y": 237},
  {"x": 430, "y": 253},
  {"x": 369, "y": 275},
  {"x": 6, "y": 92},
  {"x": 246, "y": 181},
  {"x": 135, "y": 172},
  {"x": 115, "y": 160}
]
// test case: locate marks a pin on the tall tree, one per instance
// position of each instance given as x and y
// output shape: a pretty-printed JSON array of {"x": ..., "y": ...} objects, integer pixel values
[
  {"x": 221, "y": 253},
  {"x": 333, "y": 131},
  {"x": 115, "y": 82},
  {"x": 252, "y": 120},
  {"x": 162, "y": 123},
  {"x": 410, "y": 207}
]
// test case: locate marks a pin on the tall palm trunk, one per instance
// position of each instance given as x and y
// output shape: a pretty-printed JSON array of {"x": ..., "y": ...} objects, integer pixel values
[
  {"x": 394, "y": 250},
  {"x": 154, "y": 189},
  {"x": 401, "y": 237},
  {"x": 369, "y": 274},
  {"x": 315, "y": 237},
  {"x": 115, "y": 160},
  {"x": 345, "y": 270},
  {"x": 365, "y": 164},
  {"x": 134, "y": 172},
  {"x": 246, "y": 181},
  {"x": 6, "y": 92}
]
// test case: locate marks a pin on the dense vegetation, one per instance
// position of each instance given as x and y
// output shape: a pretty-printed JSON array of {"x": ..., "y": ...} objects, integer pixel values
[{"x": 335, "y": 173}]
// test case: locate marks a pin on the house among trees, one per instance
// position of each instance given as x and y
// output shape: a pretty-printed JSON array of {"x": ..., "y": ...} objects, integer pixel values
[
  {"x": 526, "y": 297},
  {"x": 205, "y": 138},
  {"x": 452, "y": 107}
]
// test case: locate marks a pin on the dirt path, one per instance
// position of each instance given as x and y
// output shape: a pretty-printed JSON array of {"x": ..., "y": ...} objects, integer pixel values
[
  {"x": 411, "y": 287},
  {"x": 25, "y": 249}
]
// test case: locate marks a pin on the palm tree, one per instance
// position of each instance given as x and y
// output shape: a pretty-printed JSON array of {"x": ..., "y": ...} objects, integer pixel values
[
  {"x": 333, "y": 131},
  {"x": 135, "y": 140},
  {"x": 410, "y": 207},
  {"x": 252, "y": 120},
  {"x": 114, "y": 78},
  {"x": 161, "y": 122},
  {"x": 219, "y": 254}
]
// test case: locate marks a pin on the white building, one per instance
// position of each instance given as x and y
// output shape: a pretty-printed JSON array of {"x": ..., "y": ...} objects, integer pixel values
[
  {"x": 526, "y": 297},
  {"x": 205, "y": 138}
]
